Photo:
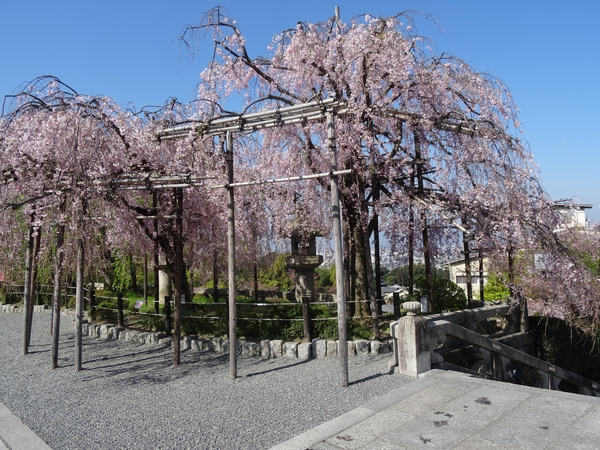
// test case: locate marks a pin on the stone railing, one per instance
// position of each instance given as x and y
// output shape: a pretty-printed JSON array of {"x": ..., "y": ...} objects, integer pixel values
[{"x": 418, "y": 339}]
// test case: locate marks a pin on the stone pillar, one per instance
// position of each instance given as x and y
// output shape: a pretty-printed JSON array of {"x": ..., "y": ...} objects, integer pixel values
[{"x": 411, "y": 342}]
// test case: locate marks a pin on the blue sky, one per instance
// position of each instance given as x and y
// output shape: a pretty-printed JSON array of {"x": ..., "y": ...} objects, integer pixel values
[{"x": 546, "y": 52}]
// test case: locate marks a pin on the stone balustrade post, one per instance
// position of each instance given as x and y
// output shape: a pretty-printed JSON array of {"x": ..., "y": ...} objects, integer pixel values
[{"x": 411, "y": 342}]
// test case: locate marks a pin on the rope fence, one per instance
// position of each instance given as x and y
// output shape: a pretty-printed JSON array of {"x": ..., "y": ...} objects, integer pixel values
[{"x": 124, "y": 312}]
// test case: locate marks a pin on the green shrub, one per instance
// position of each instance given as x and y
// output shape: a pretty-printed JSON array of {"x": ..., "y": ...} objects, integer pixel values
[
  {"x": 495, "y": 289},
  {"x": 447, "y": 296},
  {"x": 205, "y": 319},
  {"x": 104, "y": 310},
  {"x": 275, "y": 323}
]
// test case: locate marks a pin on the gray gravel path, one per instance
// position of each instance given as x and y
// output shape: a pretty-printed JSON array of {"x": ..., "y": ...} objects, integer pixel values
[{"x": 129, "y": 396}]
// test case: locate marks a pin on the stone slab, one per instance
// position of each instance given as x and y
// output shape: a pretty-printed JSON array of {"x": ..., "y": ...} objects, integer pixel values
[
  {"x": 14, "y": 435},
  {"x": 457, "y": 411}
]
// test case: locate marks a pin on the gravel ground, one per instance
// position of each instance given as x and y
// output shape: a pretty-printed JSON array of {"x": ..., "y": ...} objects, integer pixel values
[{"x": 130, "y": 396}]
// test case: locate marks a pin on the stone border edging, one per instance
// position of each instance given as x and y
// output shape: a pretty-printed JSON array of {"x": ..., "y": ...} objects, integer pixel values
[
  {"x": 318, "y": 348},
  {"x": 14, "y": 308}
]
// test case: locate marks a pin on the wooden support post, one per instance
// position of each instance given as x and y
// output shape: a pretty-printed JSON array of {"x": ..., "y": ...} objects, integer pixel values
[
  {"x": 215, "y": 279},
  {"x": 374, "y": 315},
  {"x": 396, "y": 297},
  {"x": 120, "y": 319},
  {"x": 231, "y": 260},
  {"x": 27, "y": 300},
  {"x": 79, "y": 305},
  {"x": 179, "y": 276},
  {"x": 336, "y": 213},
  {"x": 167, "y": 315},
  {"x": 56, "y": 295},
  {"x": 92, "y": 302},
  {"x": 35, "y": 285},
  {"x": 155, "y": 254},
  {"x": 146, "y": 279},
  {"x": 255, "y": 282},
  {"x": 306, "y": 318}
]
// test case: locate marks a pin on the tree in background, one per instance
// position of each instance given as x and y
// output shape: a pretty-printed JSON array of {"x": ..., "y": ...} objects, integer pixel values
[{"x": 420, "y": 131}]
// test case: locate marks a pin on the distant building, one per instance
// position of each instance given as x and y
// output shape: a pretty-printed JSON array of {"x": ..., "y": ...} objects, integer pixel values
[
  {"x": 572, "y": 214},
  {"x": 458, "y": 274}
]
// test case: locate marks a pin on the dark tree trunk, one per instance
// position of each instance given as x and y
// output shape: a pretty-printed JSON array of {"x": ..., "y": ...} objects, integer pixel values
[
  {"x": 255, "y": 282},
  {"x": 427, "y": 261},
  {"x": 515, "y": 293},
  {"x": 468, "y": 270},
  {"x": 215, "y": 279},
  {"x": 133, "y": 273},
  {"x": 146, "y": 279},
  {"x": 411, "y": 250},
  {"x": 179, "y": 276},
  {"x": 376, "y": 248},
  {"x": 362, "y": 289},
  {"x": 425, "y": 233},
  {"x": 370, "y": 287}
]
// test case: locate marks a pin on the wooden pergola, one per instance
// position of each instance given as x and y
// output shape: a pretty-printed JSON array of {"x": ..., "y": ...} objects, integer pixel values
[{"x": 324, "y": 110}]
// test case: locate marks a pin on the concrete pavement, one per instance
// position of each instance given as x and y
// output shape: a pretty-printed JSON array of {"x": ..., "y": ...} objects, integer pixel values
[
  {"x": 14, "y": 435},
  {"x": 451, "y": 410}
]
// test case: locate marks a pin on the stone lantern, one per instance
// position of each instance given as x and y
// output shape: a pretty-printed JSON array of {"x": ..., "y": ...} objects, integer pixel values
[{"x": 304, "y": 260}]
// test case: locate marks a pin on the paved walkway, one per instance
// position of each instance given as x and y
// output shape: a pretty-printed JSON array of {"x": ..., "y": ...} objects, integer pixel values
[
  {"x": 452, "y": 410},
  {"x": 14, "y": 435}
]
